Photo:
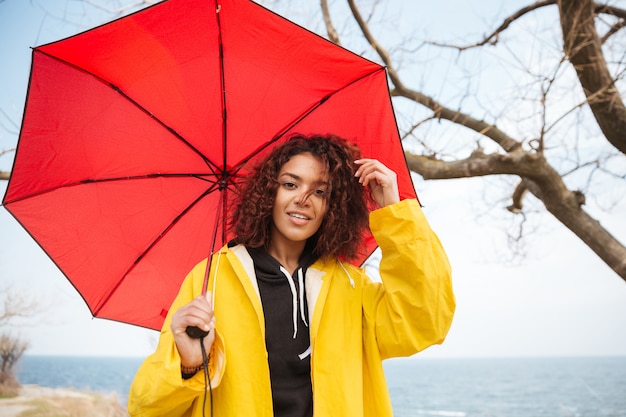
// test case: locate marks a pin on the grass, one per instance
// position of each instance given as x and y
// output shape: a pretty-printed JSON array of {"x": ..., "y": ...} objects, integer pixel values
[
  {"x": 72, "y": 407},
  {"x": 62, "y": 405}
]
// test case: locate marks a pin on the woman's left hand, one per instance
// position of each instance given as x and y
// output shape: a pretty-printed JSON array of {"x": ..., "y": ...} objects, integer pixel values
[{"x": 382, "y": 181}]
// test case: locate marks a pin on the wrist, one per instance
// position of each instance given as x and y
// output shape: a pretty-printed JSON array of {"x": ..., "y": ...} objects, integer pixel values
[{"x": 189, "y": 371}]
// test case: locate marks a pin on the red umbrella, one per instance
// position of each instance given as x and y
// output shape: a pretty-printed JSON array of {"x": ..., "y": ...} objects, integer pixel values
[{"x": 134, "y": 131}]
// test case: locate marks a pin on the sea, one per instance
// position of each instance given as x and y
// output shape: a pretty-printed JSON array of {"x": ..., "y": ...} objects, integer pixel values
[{"x": 476, "y": 387}]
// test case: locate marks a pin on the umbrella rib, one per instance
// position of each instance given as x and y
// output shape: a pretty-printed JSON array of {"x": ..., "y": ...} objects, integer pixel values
[
  {"x": 301, "y": 117},
  {"x": 156, "y": 240},
  {"x": 137, "y": 104},
  {"x": 202, "y": 177},
  {"x": 223, "y": 85}
]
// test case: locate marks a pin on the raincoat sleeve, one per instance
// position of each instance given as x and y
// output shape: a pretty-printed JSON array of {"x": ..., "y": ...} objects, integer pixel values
[
  {"x": 158, "y": 388},
  {"x": 414, "y": 306}
]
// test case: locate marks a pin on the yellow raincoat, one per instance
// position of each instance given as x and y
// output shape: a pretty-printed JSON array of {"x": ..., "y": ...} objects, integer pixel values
[{"x": 355, "y": 323}]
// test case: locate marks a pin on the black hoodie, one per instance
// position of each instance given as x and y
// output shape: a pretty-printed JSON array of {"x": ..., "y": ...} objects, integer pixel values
[{"x": 286, "y": 332}]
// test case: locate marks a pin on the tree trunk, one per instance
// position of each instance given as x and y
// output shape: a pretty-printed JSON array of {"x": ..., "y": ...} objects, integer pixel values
[{"x": 582, "y": 45}]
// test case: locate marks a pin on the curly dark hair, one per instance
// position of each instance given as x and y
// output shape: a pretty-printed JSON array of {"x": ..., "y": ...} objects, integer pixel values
[{"x": 341, "y": 231}]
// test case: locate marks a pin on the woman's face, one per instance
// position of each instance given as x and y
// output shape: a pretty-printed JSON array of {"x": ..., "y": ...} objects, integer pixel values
[{"x": 301, "y": 200}]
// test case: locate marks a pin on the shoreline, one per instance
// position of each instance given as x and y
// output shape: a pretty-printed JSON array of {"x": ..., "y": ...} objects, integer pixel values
[{"x": 69, "y": 402}]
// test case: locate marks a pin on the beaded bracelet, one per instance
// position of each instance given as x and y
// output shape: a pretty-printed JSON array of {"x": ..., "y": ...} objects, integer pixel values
[{"x": 189, "y": 371}]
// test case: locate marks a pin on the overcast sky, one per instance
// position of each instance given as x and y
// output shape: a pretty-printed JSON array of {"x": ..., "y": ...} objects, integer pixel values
[{"x": 560, "y": 301}]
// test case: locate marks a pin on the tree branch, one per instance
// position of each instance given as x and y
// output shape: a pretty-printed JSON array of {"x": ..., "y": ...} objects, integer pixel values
[
  {"x": 16, "y": 305},
  {"x": 7, "y": 150},
  {"x": 608, "y": 9},
  {"x": 122, "y": 9},
  {"x": 440, "y": 111},
  {"x": 542, "y": 181},
  {"x": 4, "y": 175},
  {"x": 492, "y": 38},
  {"x": 517, "y": 162},
  {"x": 518, "y": 197},
  {"x": 330, "y": 28}
]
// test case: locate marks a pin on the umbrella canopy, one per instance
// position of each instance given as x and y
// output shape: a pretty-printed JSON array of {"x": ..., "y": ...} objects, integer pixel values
[{"x": 134, "y": 132}]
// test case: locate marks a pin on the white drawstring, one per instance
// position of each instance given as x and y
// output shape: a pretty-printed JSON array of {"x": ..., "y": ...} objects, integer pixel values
[
  {"x": 306, "y": 353},
  {"x": 294, "y": 297},
  {"x": 301, "y": 285},
  {"x": 347, "y": 273}
]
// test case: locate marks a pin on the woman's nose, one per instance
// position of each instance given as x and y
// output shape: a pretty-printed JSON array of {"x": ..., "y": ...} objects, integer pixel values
[{"x": 303, "y": 198}]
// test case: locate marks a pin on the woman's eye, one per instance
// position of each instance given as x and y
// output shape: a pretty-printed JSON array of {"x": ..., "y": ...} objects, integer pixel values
[
  {"x": 321, "y": 193},
  {"x": 289, "y": 185}
]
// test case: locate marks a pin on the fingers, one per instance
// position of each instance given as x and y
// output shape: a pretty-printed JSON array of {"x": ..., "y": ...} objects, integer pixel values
[
  {"x": 372, "y": 169},
  {"x": 199, "y": 313},
  {"x": 382, "y": 181}
]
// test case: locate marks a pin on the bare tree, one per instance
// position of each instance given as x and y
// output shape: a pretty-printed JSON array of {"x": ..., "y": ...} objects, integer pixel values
[
  {"x": 14, "y": 306},
  {"x": 554, "y": 135},
  {"x": 11, "y": 350},
  {"x": 541, "y": 161}
]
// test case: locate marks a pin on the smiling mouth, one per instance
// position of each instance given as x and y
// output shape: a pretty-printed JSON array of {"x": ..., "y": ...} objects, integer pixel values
[{"x": 299, "y": 216}]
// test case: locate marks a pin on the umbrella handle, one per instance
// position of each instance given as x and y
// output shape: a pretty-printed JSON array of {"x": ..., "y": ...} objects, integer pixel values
[{"x": 195, "y": 332}]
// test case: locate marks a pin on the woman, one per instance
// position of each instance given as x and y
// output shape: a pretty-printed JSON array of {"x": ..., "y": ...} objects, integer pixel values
[{"x": 295, "y": 330}]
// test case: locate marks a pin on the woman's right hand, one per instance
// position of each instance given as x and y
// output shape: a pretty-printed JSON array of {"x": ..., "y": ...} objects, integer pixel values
[{"x": 199, "y": 312}]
